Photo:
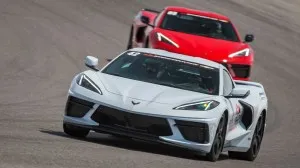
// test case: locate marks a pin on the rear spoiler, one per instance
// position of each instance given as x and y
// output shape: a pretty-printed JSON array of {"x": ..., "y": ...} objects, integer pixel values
[
  {"x": 255, "y": 84},
  {"x": 248, "y": 83},
  {"x": 150, "y": 10}
]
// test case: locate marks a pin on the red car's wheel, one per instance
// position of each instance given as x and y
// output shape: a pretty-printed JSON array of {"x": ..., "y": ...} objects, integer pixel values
[{"x": 129, "y": 43}]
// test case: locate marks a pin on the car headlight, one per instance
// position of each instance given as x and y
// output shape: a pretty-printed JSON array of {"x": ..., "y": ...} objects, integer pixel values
[
  {"x": 199, "y": 106},
  {"x": 84, "y": 81},
  {"x": 165, "y": 39},
  {"x": 244, "y": 52}
]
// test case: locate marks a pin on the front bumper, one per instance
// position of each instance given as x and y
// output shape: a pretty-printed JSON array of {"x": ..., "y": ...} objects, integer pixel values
[
  {"x": 189, "y": 133},
  {"x": 239, "y": 71}
]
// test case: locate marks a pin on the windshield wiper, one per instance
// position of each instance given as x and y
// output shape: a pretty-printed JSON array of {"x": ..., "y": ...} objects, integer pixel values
[
  {"x": 172, "y": 85},
  {"x": 166, "y": 84},
  {"x": 172, "y": 29},
  {"x": 115, "y": 74}
]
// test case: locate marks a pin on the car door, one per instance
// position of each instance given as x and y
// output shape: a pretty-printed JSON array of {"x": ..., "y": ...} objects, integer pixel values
[{"x": 234, "y": 107}]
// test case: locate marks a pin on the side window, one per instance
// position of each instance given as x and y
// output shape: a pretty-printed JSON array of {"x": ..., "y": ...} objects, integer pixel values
[
  {"x": 158, "y": 17},
  {"x": 228, "y": 85}
]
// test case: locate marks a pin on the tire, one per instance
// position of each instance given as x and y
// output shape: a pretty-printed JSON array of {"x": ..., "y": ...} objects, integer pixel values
[
  {"x": 254, "y": 149},
  {"x": 75, "y": 131},
  {"x": 147, "y": 43},
  {"x": 129, "y": 43},
  {"x": 218, "y": 143},
  {"x": 120, "y": 136}
]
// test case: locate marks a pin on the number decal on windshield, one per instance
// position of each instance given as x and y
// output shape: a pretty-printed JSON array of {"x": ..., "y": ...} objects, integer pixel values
[
  {"x": 134, "y": 53},
  {"x": 172, "y": 13}
]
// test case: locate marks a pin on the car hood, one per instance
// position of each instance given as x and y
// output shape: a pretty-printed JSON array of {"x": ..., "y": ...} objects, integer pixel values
[
  {"x": 205, "y": 47},
  {"x": 149, "y": 92}
]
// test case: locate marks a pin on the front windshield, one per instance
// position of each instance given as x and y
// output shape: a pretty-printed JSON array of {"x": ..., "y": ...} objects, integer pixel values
[
  {"x": 198, "y": 25},
  {"x": 165, "y": 71}
]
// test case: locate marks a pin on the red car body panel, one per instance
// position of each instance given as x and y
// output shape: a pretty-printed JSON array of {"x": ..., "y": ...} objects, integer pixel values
[{"x": 218, "y": 50}]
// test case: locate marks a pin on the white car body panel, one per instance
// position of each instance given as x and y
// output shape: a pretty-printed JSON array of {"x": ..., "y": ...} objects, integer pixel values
[{"x": 157, "y": 100}]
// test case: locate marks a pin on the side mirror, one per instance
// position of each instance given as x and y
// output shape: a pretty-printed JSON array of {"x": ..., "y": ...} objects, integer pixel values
[
  {"x": 238, "y": 93},
  {"x": 249, "y": 38},
  {"x": 146, "y": 20},
  {"x": 91, "y": 62}
]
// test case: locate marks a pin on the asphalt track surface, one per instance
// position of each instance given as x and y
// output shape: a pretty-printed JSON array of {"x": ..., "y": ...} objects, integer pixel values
[{"x": 43, "y": 44}]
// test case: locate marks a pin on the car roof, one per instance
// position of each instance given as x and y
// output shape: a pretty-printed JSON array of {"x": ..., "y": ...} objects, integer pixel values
[
  {"x": 165, "y": 53},
  {"x": 208, "y": 14}
]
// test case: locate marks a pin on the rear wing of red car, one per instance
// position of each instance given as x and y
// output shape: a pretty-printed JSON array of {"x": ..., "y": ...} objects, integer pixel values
[
  {"x": 150, "y": 10},
  {"x": 149, "y": 13}
]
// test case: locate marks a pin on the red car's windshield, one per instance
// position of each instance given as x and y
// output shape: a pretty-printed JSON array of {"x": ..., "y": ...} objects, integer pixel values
[{"x": 198, "y": 25}]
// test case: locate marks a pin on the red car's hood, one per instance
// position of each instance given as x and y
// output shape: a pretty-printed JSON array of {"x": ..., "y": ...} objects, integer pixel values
[{"x": 209, "y": 48}]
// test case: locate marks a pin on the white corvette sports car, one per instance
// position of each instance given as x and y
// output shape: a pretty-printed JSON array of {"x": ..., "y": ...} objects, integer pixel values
[{"x": 158, "y": 96}]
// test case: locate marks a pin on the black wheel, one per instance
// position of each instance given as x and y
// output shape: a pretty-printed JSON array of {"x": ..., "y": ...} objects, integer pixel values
[
  {"x": 129, "y": 43},
  {"x": 146, "y": 43},
  {"x": 75, "y": 131},
  {"x": 121, "y": 136},
  {"x": 254, "y": 149},
  {"x": 219, "y": 140}
]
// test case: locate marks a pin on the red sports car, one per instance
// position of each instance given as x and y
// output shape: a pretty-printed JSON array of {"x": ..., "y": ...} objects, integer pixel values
[{"x": 196, "y": 33}]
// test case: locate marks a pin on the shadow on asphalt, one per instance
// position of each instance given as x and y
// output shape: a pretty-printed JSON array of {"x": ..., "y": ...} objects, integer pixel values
[{"x": 125, "y": 143}]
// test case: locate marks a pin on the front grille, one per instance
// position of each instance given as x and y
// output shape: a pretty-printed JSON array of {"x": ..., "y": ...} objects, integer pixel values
[
  {"x": 133, "y": 122},
  {"x": 240, "y": 71},
  {"x": 76, "y": 107},
  {"x": 193, "y": 131}
]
